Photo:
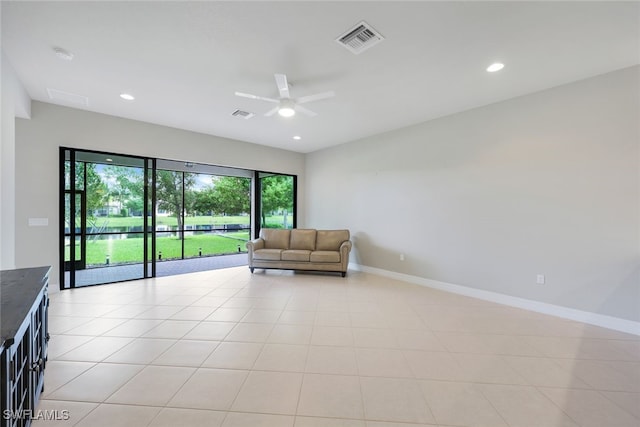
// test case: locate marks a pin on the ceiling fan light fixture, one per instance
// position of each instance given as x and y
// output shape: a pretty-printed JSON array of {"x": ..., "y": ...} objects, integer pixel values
[
  {"x": 286, "y": 108},
  {"x": 287, "y": 112}
]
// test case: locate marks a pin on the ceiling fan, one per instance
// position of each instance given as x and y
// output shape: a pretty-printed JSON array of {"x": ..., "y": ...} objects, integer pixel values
[{"x": 288, "y": 106}]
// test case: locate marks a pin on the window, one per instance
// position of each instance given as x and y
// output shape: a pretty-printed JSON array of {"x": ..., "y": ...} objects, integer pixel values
[
  {"x": 277, "y": 200},
  {"x": 122, "y": 215}
]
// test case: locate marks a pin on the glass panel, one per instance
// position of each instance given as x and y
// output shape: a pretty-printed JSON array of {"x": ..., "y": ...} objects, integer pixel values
[
  {"x": 78, "y": 213},
  {"x": 80, "y": 175},
  {"x": 118, "y": 193},
  {"x": 203, "y": 243},
  {"x": 67, "y": 248},
  {"x": 78, "y": 227},
  {"x": 168, "y": 245},
  {"x": 78, "y": 251},
  {"x": 220, "y": 203},
  {"x": 276, "y": 200},
  {"x": 114, "y": 249},
  {"x": 67, "y": 214},
  {"x": 108, "y": 221},
  {"x": 97, "y": 192},
  {"x": 67, "y": 175},
  {"x": 150, "y": 216},
  {"x": 169, "y": 200}
]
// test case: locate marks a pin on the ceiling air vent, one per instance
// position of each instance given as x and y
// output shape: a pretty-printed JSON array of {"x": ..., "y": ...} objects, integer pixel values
[
  {"x": 242, "y": 114},
  {"x": 67, "y": 97},
  {"x": 360, "y": 38}
]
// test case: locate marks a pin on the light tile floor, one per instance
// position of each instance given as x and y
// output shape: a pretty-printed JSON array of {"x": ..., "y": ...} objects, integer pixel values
[{"x": 226, "y": 348}]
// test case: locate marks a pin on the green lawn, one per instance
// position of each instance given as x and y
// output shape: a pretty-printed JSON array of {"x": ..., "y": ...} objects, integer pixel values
[{"x": 131, "y": 250}]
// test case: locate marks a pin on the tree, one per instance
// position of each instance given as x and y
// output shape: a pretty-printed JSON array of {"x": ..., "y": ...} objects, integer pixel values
[
  {"x": 126, "y": 186},
  {"x": 135, "y": 206},
  {"x": 169, "y": 188},
  {"x": 96, "y": 191},
  {"x": 190, "y": 193},
  {"x": 228, "y": 195},
  {"x": 233, "y": 195},
  {"x": 205, "y": 201},
  {"x": 276, "y": 194}
]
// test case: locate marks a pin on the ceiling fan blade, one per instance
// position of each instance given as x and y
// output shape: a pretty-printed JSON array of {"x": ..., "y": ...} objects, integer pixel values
[
  {"x": 316, "y": 97},
  {"x": 261, "y": 98},
  {"x": 283, "y": 85},
  {"x": 306, "y": 111},
  {"x": 272, "y": 111}
]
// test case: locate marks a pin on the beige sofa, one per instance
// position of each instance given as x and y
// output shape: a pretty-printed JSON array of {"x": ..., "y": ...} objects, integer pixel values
[{"x": 300, "y": 249}]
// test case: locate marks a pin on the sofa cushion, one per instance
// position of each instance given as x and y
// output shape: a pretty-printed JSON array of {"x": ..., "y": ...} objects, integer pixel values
[
  {"x": 330, "y": 240},
  {"x": 303, "y": 239},
  {"x": 275, "y": 238},
  {"x": 267, "y": 254},
  {"x": 295, "y": 255},
  {"x": 325, "y": 256}
]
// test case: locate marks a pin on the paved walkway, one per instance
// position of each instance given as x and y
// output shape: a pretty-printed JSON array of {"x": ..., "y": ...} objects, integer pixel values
[{"x": 119, "y": 273}]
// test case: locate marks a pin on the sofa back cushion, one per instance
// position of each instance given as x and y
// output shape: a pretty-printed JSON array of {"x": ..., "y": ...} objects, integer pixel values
[
  {"x": 275, "y": 238},
  {"x": 303, "y": 239},
  {"x": 330, "y": 240}
]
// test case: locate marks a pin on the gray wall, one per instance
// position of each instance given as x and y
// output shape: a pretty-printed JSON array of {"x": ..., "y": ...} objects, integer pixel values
[
  {"x": 37, "y": 174},
  {"x": 547, "y": 183}
]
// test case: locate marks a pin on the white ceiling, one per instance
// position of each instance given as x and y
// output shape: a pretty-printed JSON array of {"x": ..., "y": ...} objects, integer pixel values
[{"x": 184, "y": 60}]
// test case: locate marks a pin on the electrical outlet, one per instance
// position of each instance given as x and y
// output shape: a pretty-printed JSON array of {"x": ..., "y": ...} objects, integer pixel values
[
  {"x": 540, "y": 279},
  {"x": 401, "y": 257}
]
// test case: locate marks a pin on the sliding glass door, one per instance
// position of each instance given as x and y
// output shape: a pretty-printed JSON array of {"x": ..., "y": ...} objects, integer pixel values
[
  {"x": 128, "y": 217},
  {"x": 276, "y": 200},
  {"x": 104, "y": 227},
  {"x": 201, "y": 210}
]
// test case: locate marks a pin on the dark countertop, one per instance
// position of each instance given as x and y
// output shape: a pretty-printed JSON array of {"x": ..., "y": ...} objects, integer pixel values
[{"x": 18, "y": 291}]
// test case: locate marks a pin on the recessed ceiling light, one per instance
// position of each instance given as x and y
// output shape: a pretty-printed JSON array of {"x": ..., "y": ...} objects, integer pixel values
[
  {"x": 496, "y": 66},
  {"x": 63, "y": 54},
  {"x": 297, "y": 137},
  {"x": 127, "y": 97}
]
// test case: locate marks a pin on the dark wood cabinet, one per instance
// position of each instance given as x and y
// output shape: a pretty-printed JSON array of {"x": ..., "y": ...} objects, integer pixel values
[{"x": 23, "y": 342}]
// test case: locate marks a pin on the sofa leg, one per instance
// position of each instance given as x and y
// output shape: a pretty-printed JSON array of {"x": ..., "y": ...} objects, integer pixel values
[
  {"x": 251, "y": 268},
  {"x": 344, "y": 273}
]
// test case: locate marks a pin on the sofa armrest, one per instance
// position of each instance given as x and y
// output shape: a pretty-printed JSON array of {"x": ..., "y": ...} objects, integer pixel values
[
  {"x": 345, "y": 248},
  {"x": 255, "y": 244}
]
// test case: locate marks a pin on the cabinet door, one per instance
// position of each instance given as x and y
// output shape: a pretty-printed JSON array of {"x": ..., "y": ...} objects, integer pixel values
[
  {"x": 38, "y": 348},
  {"x": 20, "y": 397}
]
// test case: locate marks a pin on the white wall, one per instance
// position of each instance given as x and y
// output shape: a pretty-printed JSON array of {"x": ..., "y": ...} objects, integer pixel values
[
  {"x": 15, "y": 102},
  {"x": 547, "y": 183},
  {"x": 50, "y": 127}
]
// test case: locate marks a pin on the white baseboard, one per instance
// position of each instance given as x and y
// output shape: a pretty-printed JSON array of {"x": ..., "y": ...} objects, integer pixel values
[{"x": 596, "y": 319}]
